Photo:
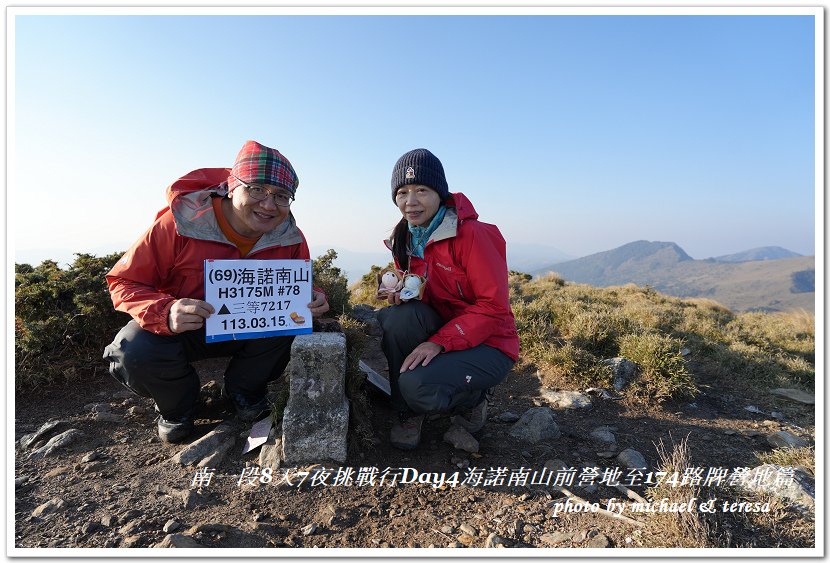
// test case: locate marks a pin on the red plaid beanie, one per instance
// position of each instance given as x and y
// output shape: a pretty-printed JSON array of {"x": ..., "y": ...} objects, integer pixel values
[{"x": 258, "y": 164}]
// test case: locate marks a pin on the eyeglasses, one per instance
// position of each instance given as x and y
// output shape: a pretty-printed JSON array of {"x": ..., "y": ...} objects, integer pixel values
[{"x": 259, "y": 193}]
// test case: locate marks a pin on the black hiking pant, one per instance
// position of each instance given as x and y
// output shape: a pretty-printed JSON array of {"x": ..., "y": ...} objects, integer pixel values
[
  {"x": 160, "y": 367},
  {"x": 452, "y": 382}
]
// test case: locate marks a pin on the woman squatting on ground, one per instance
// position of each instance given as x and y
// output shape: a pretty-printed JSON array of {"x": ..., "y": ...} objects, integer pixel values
[{"x": 447, "y": 350}]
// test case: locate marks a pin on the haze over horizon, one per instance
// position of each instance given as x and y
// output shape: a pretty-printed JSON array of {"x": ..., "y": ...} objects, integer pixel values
[{"x": 578, "y": 132}]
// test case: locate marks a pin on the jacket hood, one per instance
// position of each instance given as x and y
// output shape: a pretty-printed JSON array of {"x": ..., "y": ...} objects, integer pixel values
[
  {"x": 199, "y": 180},
  {"x": 189, "y": 198},
  {"x": 463, "y": 206}
]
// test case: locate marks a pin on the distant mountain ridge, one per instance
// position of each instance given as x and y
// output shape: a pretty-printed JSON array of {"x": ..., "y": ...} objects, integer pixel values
[
  {"x": 769, "y": 284},
  {"x": 760, "y": 253}
]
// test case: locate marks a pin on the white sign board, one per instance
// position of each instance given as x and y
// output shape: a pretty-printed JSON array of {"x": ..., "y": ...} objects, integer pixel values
[{"x": 257, "y": 298}]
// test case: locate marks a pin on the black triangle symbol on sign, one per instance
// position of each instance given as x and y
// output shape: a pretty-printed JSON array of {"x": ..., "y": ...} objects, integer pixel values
[{"x": 224, "y": 310}]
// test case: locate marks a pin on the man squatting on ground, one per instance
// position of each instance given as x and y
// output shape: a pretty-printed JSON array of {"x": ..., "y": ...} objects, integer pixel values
[
  {"x": 212, "y": 213},
  {"x": 448, "y": 350}
]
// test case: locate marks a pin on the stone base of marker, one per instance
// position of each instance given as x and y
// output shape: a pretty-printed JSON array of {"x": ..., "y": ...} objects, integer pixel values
[{"x": 316, "y": 418}]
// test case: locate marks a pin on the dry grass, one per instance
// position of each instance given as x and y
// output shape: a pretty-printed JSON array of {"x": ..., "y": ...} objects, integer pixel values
[
  {"x": 791, "y": 457},
  {"x": 783, "y": 525},
  {"x": 361, "y": 434},
  {"x": 680, "y": 529},
  {"x": 751, "y": 350}
]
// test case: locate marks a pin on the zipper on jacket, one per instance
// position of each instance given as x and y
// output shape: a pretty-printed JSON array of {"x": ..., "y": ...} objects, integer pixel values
[{"x": 461, "y": 293}]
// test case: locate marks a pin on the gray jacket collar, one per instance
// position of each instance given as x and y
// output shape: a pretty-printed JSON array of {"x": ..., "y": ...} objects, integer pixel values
[{"x": 196, "y": 219}]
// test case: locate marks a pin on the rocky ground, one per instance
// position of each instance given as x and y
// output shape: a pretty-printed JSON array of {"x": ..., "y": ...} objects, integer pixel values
[{"x": 112, "y": 484}]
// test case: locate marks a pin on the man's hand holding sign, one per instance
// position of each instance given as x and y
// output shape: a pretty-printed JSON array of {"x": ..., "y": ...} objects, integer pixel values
[
  {"x": 223, "y": 271},
  {"x": 258, "y": 298}
]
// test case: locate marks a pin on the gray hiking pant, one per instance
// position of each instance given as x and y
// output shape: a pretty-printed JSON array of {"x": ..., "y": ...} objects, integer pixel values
[
  {"x": 160, "y": 367},
  {"x": 453, "y": 381}
]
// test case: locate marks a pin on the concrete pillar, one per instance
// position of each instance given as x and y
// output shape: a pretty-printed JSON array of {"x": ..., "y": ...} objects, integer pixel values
[{"x": 316, "y": 418}]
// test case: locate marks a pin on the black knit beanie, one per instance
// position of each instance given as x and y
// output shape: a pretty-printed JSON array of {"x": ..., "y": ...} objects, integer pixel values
[{"x": 420, "y": 167}]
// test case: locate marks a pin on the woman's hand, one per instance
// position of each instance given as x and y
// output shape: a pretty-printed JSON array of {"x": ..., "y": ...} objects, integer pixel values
[
  {"x": 421, "y": 355},
  {"x": 188, "y": 314},
  {"x": 319, "y": 303}
]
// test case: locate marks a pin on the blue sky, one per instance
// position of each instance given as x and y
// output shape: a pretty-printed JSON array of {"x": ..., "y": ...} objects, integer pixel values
[{"x": 580, "y": 133}]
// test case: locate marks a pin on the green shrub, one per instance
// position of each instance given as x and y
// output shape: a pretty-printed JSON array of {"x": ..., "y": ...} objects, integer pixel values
[
  {"x": 63, "y": 319},
  {"x": 663, "y": 370},
  {"x": 331, "y": 280},
  {"x": 574, "y": 366},
  {"x": 361, "y": 434},
  {"x": 365, "y": 290}
]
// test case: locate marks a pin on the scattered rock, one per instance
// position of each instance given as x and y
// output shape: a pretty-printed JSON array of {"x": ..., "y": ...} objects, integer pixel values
[
  {"x": 191, "y": 498},
  {"x": 171, "y": 526},
  {"x": 467, "y": 529},
  {"x": 56, "y": 443},
  {"x": 455, "y": 544},
  {"x": 753, "y": 409},
  {"x": 603, "y": 436},
  {"x": 207, "y": 445},
  {"x": 91, "y": 456},
  {"x": 784, "y": 439},
  {"x": 208, "y": 528},
  {"x": 466, "y": 539},
  {"x": 131, "y": 541},
  {"x": 136, "y": 411},
  {"x": 90, "y": 527},
  {"x": 49, "y": 507},
  {"x": 461, "y": 439},
  {"x": 599, "y": 541},
  {"x": 555, "y": 538},
  {"x": 494, "y": 540},
  {"x": 42, "y": 434},
  {"x": 93, "y": 467},
  {"x": 447, "y": 530},
  {"x": 270, "y": 454},
  {"x": 178, "y": 540},
  {"x": 567, "y": 399},
  {"x": 632, "y": 459},
  {"x": 106, "y": 417},
  {"x": 795, "y": 395},
  {"x": 109, "y": 520},
  {"x": 601, "y": 393},
  {"x": 506, "y": 416},
  {"x": 310, "y": 529},
  {"x": 98, "y": 407},
  {"x": 217, "y": 457},
  {"x": 537, "y": 424},
  {"x": 130, "y": 527},
  {"x": 801, "y": 489},
  {"x": 624, "y": 371}
]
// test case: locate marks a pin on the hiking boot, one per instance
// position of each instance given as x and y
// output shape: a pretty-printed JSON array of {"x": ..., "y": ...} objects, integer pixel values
[
  {"x": 246, "y": 410},
  {"x": 474, "y": 419},
  {"x": 406, "y": 433},
  {"x": 175, "y": 430}
]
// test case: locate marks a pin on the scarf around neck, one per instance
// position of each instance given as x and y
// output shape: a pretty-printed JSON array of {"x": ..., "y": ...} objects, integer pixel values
[{"x": 420, "y": 235}]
